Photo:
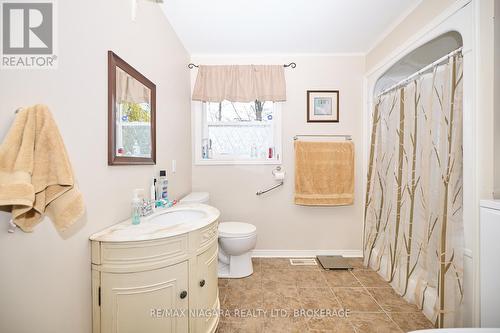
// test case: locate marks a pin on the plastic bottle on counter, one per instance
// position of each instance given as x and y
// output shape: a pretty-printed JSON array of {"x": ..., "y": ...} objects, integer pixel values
[
  {"x": 162, "y": 186},
  {"x": 136, "y": 207}
]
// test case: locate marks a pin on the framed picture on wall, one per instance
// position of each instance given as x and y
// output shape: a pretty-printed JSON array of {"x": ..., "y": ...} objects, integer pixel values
[{"x": 322, "y": 106}]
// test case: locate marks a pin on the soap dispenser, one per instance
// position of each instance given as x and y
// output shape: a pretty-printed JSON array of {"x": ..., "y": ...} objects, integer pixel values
[{"x": 136, "y": 207}]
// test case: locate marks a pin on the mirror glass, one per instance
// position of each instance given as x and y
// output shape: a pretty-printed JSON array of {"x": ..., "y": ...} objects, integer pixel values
[
  {"x": 131, "y": 113},
  {"x": 133, "y": 117}
]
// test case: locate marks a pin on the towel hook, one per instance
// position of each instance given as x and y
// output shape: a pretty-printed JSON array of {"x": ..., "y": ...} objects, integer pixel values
[{"x": 12, "y": 227}]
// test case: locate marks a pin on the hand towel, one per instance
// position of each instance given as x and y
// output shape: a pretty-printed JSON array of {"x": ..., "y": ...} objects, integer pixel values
[
  {"x": 36, "y": 177},
  {"x": 324, "y": 173}
]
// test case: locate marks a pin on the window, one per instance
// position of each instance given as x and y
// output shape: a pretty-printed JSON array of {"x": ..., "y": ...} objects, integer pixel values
[{"x": 238, "y": 133}]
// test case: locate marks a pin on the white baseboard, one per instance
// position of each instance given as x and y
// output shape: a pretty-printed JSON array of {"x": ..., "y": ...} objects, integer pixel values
[{"x": 305, "y": 253}]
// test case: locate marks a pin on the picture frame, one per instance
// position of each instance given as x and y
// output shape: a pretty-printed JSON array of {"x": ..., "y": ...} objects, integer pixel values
[
  {"x": 131, "y": 115},
  {"x": 323, "y": 106}
]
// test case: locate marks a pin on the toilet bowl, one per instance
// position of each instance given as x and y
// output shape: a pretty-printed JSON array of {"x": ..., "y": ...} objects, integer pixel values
[{"x": 236, "y": 241}]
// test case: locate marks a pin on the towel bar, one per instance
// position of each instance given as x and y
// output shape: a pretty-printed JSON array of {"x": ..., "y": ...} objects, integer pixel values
[{"x": 345, "y": 136}]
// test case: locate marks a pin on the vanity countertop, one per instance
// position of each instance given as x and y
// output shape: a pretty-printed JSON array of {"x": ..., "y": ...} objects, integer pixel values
[{"x": 147, "y": 230}]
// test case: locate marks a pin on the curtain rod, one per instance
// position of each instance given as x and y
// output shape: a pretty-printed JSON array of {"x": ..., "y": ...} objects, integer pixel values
[
  {"x": 292, "y": 65},
  {"x": 425, "y": 69}
]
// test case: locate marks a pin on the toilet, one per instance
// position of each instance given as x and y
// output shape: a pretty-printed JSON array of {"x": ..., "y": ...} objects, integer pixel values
[{"x": 236, "y": 240}]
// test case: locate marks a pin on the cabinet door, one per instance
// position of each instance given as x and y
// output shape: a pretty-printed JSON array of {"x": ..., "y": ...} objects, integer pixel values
[
  {"x": 138, "y": 302},
  {"x": 206, "y": 288},
  {"x": 490, "y": 267}
]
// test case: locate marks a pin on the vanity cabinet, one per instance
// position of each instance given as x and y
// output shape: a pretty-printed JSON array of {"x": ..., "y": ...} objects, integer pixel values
[
  {"x": 129, "y": 300},
  {"x": 206, "y": 288},
  {"x": 161, "y": 285}
]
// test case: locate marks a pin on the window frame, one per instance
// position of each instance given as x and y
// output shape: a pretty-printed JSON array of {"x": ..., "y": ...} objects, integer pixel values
[{"x": 198, "y": 111}]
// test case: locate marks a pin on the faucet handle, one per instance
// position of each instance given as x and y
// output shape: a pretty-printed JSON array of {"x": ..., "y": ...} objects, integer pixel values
[{"x": 146, "y": 207}]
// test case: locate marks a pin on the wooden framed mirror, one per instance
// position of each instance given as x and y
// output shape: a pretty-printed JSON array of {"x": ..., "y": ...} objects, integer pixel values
[{"x": 131, "y": 115}]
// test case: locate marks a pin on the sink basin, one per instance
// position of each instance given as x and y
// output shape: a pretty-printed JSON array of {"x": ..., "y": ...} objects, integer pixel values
[
  {"x": 177, "y": 216},
  {"x": 163, "y": 223}
]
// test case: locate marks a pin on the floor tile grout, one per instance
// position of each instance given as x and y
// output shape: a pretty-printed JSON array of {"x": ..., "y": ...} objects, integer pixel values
[
  {"x": 347, "y": 317},
  {"x": 300, "y": 282},
  {"x": 381, "y": 307}
]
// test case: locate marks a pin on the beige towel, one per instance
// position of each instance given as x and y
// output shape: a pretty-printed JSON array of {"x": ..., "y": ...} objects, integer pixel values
[
  {"x": 324, "y": 173},
  {"x": 35, "y": 173}
]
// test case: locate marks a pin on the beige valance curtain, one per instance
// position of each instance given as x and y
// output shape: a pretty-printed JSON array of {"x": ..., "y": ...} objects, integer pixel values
[
  {"x": 129, "y": 89},
  {"x": 243, "y": 83}
]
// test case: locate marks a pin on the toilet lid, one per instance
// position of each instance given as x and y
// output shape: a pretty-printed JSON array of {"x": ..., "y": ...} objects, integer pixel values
[{"x": 236, "y": 229}]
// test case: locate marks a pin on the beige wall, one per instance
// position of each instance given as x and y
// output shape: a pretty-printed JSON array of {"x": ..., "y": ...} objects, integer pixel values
[
  {"x": 45, "y": 278},
  {"x": 423, "y": 14},
  {"x": 282, "y": 225},
  {"x": 485, "y": 102},
  {"x": 497, "y": 100}
]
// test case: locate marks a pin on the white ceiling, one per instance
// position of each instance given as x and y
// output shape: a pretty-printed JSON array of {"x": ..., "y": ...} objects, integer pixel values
[{"x": 283, "y": 26}]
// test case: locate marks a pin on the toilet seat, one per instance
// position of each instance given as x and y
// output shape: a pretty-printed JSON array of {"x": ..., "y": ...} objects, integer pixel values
[{"x": 236, "y": 229}]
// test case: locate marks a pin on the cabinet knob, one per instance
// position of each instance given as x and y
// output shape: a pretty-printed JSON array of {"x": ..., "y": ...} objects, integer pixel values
[
  {"x": 183, "y": 294},
  {"x": 202, "y": 283}
]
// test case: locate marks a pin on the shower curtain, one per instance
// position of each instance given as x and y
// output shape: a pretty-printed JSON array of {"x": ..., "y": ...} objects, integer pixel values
[{"x": 413, "y": 207}]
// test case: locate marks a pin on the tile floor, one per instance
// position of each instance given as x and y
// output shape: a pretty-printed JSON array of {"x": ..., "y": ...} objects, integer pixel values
[{"x": 252, "y": 304}]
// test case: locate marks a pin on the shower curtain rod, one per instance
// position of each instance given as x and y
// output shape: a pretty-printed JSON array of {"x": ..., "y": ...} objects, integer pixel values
[
  {"x": 292, "y": 65},
  {"x": 423, "y": 70}
]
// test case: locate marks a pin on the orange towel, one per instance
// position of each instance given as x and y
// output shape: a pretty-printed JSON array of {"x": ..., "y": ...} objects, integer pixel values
[
  {"x": 36, "y": 177},
  {"x": 324, "y": 173}
]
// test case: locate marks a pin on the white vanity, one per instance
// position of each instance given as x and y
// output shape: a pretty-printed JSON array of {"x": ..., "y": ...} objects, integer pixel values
[{"x": 157, "y": 276}]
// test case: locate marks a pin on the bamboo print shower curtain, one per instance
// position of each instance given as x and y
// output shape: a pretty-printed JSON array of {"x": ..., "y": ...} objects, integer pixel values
[{"x": 413, "y": 208}]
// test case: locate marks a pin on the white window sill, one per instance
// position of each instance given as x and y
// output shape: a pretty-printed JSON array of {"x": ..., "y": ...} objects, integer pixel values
[{"x": 237, "y": 162}]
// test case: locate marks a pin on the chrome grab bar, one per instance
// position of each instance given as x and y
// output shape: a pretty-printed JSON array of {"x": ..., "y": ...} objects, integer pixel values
[
  {"x": 270, "y": 189},
  {"x": 277, "y": 169}
]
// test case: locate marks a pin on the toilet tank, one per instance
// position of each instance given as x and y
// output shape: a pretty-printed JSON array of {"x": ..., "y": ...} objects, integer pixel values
[{"x": 196, "y": 197}]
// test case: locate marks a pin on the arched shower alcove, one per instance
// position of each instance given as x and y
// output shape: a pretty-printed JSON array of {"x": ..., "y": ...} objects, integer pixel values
[
  {"x": 418, "y": 59},
  {"x": 413, "y": 230}
]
